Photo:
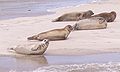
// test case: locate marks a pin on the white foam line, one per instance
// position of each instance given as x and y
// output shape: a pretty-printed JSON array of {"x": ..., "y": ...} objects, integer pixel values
[
  {"x": 55, "y": 9},
  {"x": 103, "y": 67}
]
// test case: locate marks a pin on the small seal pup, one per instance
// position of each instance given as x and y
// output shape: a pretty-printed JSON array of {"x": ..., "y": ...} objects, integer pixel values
[
  {"x": 90, "y": 24},
  {"x": 53, "y": 35},
  {"x": 74, "y": 16},
  {"x": 31, "y": 49},
  {"x": 109, "y": 17}
]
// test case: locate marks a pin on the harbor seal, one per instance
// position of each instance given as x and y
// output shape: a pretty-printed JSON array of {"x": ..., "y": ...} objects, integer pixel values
[
  {"x": 90, "y": 24},
  {"x": 74, "y": 16},
  {"x": 31, "y": 49},
  {"x": 53, "y": 35},
  {"x": 109, "y": 17}
]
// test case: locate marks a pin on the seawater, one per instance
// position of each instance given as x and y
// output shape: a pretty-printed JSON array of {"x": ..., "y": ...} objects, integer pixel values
[
  {"x": 107, "y": 62},
  {"x": 27, "y": 8}
]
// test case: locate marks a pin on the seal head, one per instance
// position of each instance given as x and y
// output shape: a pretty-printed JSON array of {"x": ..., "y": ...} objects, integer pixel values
[{"x": 69, "y": 28}]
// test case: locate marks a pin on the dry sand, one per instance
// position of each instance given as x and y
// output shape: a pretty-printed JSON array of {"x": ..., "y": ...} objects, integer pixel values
[{"x": 15, "y": 31}]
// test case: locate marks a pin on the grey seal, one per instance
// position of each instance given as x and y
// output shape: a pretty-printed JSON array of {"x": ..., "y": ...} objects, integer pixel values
[{"x": 90, "y": 24}]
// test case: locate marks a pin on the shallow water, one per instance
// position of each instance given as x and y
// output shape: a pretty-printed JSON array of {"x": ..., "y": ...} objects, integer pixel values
[
  {"x": 53, "y": 63},
  {"x": 25, "y": 8}
]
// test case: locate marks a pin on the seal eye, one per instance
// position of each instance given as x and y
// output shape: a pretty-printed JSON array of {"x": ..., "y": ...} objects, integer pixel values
[
  {"x": 91, "y": 12},
  {"x": 70, "y": 27},
  {"x": 45, "y": 40}
]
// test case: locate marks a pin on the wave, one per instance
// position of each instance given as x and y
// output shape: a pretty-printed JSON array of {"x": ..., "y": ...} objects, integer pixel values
[{"x": 93, "y": 67}]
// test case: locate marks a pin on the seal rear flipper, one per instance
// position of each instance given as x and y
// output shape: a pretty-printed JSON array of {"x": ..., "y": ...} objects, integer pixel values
[
  {"x": 32, "y": 38},
  {"x": 55, "y": 20}
]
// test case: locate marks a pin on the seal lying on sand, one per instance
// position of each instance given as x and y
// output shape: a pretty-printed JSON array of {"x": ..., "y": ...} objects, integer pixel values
[
  {"x": 74, "y": 16},
  {"x": 31, "y": 49},
  {"x": 109, "y": 17},
  {"x": 56, "y": 34},
  {"x": 90, "y": 24}
]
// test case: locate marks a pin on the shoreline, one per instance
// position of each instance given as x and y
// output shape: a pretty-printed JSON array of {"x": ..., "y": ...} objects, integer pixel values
[{"x": 15, "y": 31}]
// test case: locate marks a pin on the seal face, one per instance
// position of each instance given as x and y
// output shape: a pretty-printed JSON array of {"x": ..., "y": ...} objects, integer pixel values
[
  {"x": 32, "y": 49},
  {"x": 53, "y": 35},
  {"x": 74, "y": 16},
  {"x": 90, "y": 24},
  {"x": 109, "y": 17}
]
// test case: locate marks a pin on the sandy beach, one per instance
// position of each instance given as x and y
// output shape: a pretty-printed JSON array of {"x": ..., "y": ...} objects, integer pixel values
[{"x": 15, "y": 31}]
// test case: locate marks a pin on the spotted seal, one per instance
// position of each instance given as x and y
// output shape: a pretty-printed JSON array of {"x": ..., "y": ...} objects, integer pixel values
[{"x": 31, "y": 49}]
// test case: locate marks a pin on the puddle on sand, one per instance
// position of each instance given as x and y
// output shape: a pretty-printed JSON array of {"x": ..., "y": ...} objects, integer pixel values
[{"x": 30, "y": 63}]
